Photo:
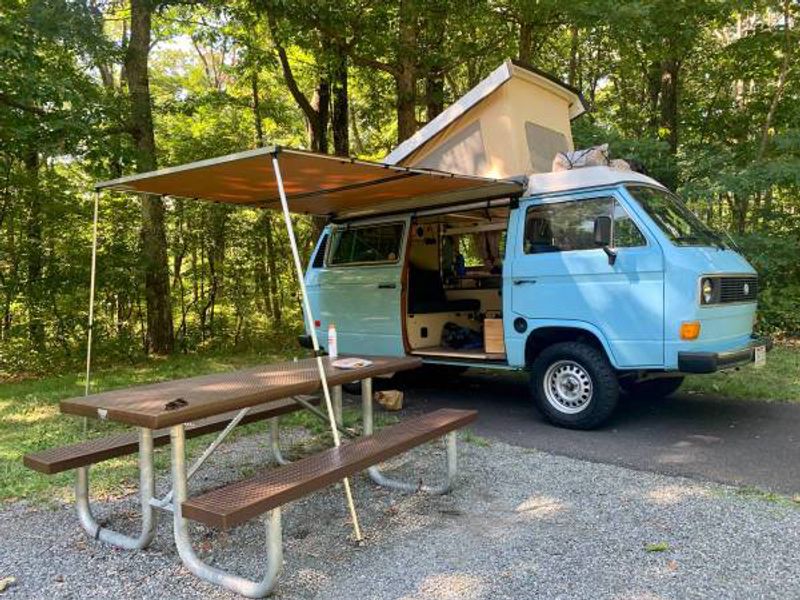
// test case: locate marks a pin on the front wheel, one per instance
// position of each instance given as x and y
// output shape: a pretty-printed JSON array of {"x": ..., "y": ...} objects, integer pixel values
[
  {"x": 574, "y": 385},
  {"x": 654, "y": 389}
]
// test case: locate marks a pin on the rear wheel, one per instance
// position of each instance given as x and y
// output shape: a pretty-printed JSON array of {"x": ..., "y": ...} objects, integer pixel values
[
  {"x": 653, "y": 388},
  {"x": 574, "y": 385}
]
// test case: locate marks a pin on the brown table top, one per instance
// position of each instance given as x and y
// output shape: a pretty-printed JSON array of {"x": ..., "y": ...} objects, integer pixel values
[{"x": 208, "y": 395}]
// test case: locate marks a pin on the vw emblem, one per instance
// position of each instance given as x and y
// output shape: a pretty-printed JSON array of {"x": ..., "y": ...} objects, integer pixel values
[{"x": 746, "y": 289}]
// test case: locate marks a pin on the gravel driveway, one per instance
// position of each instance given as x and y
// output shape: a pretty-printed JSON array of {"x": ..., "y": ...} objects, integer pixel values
[{"x": 520, "y": 524}]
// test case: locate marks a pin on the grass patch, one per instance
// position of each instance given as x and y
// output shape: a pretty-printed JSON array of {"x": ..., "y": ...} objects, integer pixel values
[
  {"x": 754, "y": 493},
  {"x": 657, "y": 547},
  {"x": 30, "y": 420},
  {"x": 778, "y": 380},
  {"x": 471, "y": 437}
]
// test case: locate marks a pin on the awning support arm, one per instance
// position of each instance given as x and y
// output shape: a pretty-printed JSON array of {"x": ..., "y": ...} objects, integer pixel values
[{"x": 315, "y": 342}]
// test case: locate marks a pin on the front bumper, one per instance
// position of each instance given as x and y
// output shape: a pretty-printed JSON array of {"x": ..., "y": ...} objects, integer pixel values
[{"x": 711, "y": 362}]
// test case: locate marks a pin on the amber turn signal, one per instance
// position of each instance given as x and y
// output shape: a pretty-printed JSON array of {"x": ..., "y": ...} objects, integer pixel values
[{"x": 690, "y": 330}]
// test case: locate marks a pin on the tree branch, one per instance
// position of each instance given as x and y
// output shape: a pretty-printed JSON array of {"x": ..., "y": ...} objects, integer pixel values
[
  {"x": 4, "y": 99},
  {"x": 773, "y": 107},
  {"x": 363, "y": 61},
  {"x": 288, "y": 75}
]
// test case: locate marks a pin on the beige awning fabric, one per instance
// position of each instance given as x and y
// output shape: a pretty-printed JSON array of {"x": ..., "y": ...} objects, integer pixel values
[{"x": 315, "y": 184}]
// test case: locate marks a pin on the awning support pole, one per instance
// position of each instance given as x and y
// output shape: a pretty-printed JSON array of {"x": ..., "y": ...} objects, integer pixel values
[
  {"x": 310, "y": 324},
  {"x": 91, "y": 301}
]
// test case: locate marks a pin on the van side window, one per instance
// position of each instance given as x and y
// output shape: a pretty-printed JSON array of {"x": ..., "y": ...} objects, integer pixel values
[
  {"x": 366, "y": 244},
  {"x": 565, "y": 226},
  {"x": 319, "y": 257},
  {"x": 626, "y": 233}
]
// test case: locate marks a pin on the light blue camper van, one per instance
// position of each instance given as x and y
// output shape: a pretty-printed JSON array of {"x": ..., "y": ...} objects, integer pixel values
[{"x": 593, "y": 279}]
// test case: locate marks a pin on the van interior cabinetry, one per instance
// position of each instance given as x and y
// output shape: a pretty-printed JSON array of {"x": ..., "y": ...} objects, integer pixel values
[{"x": 454, "y": 281}]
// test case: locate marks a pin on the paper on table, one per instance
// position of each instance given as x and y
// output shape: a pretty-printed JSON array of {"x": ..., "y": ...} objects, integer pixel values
[{"x": 351, "y": 363}]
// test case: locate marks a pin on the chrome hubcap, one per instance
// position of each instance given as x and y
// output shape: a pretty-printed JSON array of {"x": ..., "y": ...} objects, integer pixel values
[{"x": 567, "y": 387}]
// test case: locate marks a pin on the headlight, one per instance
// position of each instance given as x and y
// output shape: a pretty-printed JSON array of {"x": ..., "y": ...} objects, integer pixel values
[{"x": 707, "y": 290}]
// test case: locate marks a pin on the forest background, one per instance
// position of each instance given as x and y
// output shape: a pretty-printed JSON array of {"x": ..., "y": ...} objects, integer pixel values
[{"x": 705, "y": 94}]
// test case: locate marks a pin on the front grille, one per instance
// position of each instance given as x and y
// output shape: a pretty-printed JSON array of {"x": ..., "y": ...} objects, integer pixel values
[{"x": 738, "y": 289}]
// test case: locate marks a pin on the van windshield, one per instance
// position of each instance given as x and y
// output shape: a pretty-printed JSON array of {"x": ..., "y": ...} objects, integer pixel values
[{"x": 669, "y": 212}]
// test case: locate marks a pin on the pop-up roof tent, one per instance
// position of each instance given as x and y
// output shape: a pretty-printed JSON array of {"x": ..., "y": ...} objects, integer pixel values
[{"x": 512, "y": 123}]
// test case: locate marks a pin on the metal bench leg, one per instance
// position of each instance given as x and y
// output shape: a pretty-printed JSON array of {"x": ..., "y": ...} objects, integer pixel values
[
  {"x": 337, "y": 404},
  {"x": 146, "y": 490},
  {"x": 183, "y": 542},
  {"x": 382, "y": 480},
  {"x": 275, "y": 441}
]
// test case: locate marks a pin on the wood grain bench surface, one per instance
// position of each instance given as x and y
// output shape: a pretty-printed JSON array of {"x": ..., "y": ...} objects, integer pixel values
[
  {"x": 65, "y": 458},
  {"x": 169, "y": 403},
  {"x": 241, "y": 501}
]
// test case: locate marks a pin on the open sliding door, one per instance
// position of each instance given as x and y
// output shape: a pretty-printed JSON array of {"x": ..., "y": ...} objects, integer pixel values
[{"x": 360, "y": 286}]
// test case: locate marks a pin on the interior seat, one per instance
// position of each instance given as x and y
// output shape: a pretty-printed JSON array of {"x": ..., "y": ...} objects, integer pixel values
[{"x": 426, "y": 294}]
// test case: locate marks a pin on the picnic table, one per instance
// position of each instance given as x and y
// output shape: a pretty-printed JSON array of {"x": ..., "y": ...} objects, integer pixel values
[{"x": 171, "y": 411}]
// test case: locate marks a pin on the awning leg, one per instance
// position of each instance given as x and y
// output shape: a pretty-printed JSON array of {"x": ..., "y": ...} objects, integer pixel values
[
  {"x": 92, "y": 279},
  {"x": 315, "y": 341}
]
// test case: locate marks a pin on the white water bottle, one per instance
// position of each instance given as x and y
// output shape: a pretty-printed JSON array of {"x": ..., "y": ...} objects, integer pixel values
[{"x": 333, "y": 349}]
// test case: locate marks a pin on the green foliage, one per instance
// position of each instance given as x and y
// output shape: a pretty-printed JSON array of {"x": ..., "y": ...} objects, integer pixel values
[
  {"x": 705, "y": 95},
  {"x": 776, "y": 259},
  {"x": 777, "y": 381}
]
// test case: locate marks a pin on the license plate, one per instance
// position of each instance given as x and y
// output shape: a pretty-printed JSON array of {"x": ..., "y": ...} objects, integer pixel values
[{"x": 760, "y": 356}]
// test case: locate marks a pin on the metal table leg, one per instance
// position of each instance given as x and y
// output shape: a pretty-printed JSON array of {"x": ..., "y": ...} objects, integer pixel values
[
  {"x": 146, "y": 491},
  {"x": 275, "y": 441},
  {"x": 377, "y": 475},
  {"x": 183, "y": 542}
]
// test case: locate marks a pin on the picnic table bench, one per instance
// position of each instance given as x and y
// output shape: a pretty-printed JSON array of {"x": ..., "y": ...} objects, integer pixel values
[{"x": 170, "y": 412}]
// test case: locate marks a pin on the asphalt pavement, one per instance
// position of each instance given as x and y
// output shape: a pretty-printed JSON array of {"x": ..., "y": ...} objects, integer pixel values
[{"x": 739, "y": 442}]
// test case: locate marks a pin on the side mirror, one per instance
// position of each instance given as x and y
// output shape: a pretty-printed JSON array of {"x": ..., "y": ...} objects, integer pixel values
[
  {"x": 602, "y": 231},
  {"x": 602, "y": 237}
]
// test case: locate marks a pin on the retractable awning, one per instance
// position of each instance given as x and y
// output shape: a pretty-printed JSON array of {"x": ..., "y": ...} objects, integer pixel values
[
  {"x": 315, "y": 184},
  {"x": 308, "y": 183}
]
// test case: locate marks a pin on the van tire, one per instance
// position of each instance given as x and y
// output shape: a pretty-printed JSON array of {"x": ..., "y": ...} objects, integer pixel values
[
  {"x": 653, "y": 389},
  {"x": 583, "y": 387}
]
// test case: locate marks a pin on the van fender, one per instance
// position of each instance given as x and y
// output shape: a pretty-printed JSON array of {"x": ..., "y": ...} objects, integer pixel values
[{"x": 557, "y": 330}]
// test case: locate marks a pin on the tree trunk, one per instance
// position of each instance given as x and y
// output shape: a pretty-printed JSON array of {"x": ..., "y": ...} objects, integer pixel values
[
  {"x": 434, "y": 78},
  {"x": 259, "y": 127},
  {"x": 669, "y": 101},
  {"x": 341, "y": 104},
  {"x": 434, "y": 95},
  {"x": 318, "y": 121},
  {"x": 525, "y": 42},
  {"x": 272, "y": 266},
  {"x": 654, "y": 86},
  {"x": 406, "y": 78},
  {"x": 359, "y": 143},
  {"x": 35, "y": 257},
  {"x": 153, "y": 237},
  {"x": 316, "y": 111},
  {"x": 573, "y": 55},
  {"x": 216, "y": 258}
]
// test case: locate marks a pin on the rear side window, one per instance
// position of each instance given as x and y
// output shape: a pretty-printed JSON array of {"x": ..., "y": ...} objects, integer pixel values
[
  {"x": 366, "y": 244},
  {"x": 565, "y": 226}
]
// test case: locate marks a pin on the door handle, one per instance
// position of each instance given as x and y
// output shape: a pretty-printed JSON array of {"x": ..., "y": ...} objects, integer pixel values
[
  {"x": 524, "y": 281},
  {"x": 387, "y": 286}
]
